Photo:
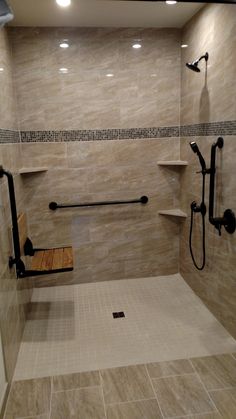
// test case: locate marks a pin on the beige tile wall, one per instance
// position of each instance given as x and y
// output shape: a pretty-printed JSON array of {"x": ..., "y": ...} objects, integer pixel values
[
  {"x": 211, "y": 97},
  {"x": 112, "y": 242},
  {"x": 14, "y": 294},
  {"x": 7, "y": 100},
  {"x": 144, "y": 91}
]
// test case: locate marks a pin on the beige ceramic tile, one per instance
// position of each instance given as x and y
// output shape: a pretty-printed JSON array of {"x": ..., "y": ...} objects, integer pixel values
[
  {"x": 182, "y": 395},
  {"x": 81, "y": 404},
  {"x": 225, "y": 401},
  {"x": 126, "y": 384},
  {"x": 217, "y": 371},
  {"x": 73, "y": 381},
  {"x": 163, "y": 369},
  {"x": 146, "y": 409},
  {"x": 30, "y": 397}
]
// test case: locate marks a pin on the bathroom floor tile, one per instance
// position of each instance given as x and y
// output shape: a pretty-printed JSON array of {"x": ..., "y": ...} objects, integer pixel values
[
  {"x": 145, "y": 409},
  {"x": 164, "y": 369},
  {"x": 126, "y": 384},
  {"x": 225, "y": 401},
  {"x": 84, "y": 403},
  {"x": 73, "y": 381},
  {"x": 29, "y": 398},
  {"x": 217, "y": 371},
  {"x": 71, "y": 329},
  {"x": 182, "y": 395}
]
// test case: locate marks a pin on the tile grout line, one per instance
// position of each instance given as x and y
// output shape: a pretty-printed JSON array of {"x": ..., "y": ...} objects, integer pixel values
[
  {"x": 75, "y": 388},
  {"x": 174, "y": 375},
  {"x": 50, "y": 405},
  {"x": 199, "y": 378},
  {"x": 103, "y": 398},
  {"x": 158, "y": 403}
]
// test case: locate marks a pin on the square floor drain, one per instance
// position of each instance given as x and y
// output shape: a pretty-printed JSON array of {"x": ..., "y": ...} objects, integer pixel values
[{"x": 118, "y": 314}]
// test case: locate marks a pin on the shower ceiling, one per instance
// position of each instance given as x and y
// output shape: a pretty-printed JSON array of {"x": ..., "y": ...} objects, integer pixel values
[{"x": 103, "y": 13}]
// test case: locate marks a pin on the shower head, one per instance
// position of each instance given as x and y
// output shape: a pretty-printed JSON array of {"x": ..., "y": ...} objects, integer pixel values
[
  {"x": 196, "y": 150},
  {"x": 194, "y": 65},
  {"x": 6, "y": 14}
]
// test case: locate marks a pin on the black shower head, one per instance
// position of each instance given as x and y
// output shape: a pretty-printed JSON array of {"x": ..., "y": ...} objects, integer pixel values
[
  {"x": 196, "y": 150},
  {"x": 194, "y": 65}
]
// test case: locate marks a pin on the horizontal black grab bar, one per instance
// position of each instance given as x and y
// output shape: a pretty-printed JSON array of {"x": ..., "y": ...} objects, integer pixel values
[{"x": 143, "y": 200}]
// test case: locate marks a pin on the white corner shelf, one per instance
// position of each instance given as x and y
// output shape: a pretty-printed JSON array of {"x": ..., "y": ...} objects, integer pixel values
[
  {"x": 28, "y": 170},
  {"x": 172, "y": 163},
  {"x": 173, "y": 213}
]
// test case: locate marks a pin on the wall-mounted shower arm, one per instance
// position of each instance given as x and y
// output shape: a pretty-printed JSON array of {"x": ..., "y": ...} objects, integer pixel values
[
  {"x": 228, "y": 219},
  {"x": 143, "y": 200}
]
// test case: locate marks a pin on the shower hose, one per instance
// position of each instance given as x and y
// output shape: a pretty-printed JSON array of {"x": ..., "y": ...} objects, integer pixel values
[{"x": 202, "y": 209}]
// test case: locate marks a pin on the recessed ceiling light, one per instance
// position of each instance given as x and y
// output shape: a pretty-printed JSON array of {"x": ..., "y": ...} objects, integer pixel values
[
  {"x": 171, "y": 2},
  {"x": 63, "y": 70},
  {"x": 184, "y": 46},
  {"x": 1, "y": 69},
  {"x": 110, "y": 75},
  {"x": 137, "y": 46},
  {"x": 63, "y": 3},
  {"x": 64, "y": 44}
]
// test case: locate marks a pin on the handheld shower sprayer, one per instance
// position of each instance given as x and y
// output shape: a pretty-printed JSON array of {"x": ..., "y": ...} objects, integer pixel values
[{"x": 196, "y": 150}]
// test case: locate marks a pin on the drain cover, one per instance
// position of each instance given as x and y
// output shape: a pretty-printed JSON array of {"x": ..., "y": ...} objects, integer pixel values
[{"x": 118, "y": 314}]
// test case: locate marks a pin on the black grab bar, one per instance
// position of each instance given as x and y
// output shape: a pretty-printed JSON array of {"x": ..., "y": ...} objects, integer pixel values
[
  {"x": 228, "y": 219},
  {"x": 15, "y": 231},
  {"x": 143, "y": 200}
]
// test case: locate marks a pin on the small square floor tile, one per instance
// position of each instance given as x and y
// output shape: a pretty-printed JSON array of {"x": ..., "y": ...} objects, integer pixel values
[
  {"x": 145, "y": 409},
  {"x": 84, "y": 403},
  {"x": 126, "y": 384},
  {"x": 218, "y": 371},
  {"x": 182, "y": 395}
]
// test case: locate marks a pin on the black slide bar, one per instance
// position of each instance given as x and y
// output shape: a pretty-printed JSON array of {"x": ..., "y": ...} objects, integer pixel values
[
  {"x": 228, "y": 218},
  {"x": 143, "y": 200}
]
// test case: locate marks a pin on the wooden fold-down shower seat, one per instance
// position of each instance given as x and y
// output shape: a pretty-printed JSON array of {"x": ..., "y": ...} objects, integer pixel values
[{"x": 43, "y": 261}]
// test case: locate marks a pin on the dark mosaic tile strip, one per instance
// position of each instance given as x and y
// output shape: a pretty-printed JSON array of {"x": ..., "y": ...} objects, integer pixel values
[
  {"x": 95, "y": 135},
  {"x": 8, "y": 136},
  {"x": 37, "y": 136},
  {"x": 207, "y": 129}
]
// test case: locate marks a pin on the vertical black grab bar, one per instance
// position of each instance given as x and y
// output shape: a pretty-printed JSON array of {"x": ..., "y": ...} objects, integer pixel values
[
  {"x": 15, "y": 232},
  {"x": 228, "y": 219}
]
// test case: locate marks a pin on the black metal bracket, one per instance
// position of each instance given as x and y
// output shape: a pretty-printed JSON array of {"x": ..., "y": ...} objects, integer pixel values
[
  {"x": 228, "y": 220},
  {"x": 143, "y": 200}
]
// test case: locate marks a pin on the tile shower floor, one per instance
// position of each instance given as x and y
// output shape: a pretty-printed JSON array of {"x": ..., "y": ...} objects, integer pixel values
[{"x": 71, "y": 329}]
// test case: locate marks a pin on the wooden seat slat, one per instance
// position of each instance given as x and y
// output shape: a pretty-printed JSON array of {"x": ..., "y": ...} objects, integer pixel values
[
  {"x": 37, "y": 260},
  {"x": 67, "y": 257},
  {"x": 57, "y": 258},
  {"x": 47, "y": 260}
]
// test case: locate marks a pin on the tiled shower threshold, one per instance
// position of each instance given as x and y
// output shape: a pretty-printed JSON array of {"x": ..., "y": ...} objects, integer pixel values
[{"x": 71, "y": 329}]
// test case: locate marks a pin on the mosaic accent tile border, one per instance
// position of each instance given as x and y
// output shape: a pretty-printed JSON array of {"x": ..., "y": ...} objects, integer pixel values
[
  {"x": 95, "y": 135},
  {"x": 8, "y": 136},
  {"x": 207, "y": 129}
]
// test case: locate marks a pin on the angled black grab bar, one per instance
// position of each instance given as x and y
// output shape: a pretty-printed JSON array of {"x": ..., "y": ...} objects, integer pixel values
[
  {"x": 15, "y": 232},
  {"x": 143, "y": 200},
  {"x": 228, "y": 219}
]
